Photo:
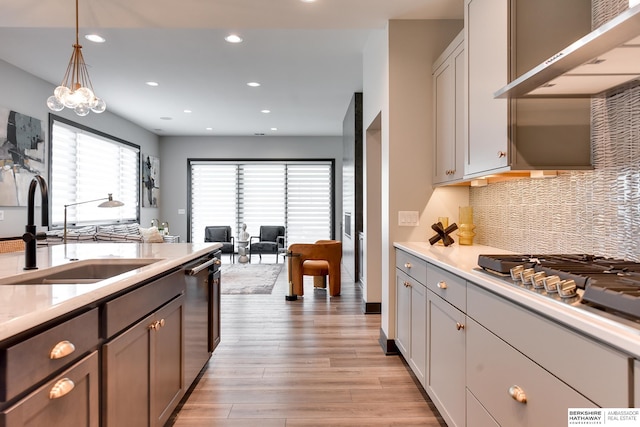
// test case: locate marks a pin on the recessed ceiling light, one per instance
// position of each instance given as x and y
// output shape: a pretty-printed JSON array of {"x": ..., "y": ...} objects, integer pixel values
[
  {"x": 95, "y": 38},
  {"x": 265, "y": 111},
  {"x": 253, "y": 84},
  {"x": 188, "y": 111},
  {"x": 152, "y": 84},
  {"x": 233, "y": 38},
  {"x": 209, "y": 129},
  {"x": 307, "y": 1},
  {"x": 274, "y": 129}
]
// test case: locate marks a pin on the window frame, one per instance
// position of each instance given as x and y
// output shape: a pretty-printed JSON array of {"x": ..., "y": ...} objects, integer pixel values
[
  {"x": 285, "y": 161},
  {"x": 86, "y": 129}
]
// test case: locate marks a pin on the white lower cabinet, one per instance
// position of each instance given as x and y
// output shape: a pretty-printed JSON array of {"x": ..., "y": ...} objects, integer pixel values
[
  {"x": 477, "y": 416},
  {"x": 513, "y": 389},
  {"x": 488, "y": 361},
  {"x": 411, "y": 300},
  {"x": 446, "y": 359}
]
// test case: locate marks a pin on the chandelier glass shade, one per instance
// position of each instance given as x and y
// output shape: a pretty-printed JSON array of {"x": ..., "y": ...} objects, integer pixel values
[{"x": 76, "y": 91}]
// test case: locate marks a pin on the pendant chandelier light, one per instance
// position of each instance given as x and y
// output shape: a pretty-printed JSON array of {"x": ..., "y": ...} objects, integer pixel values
[{"x": 75, "y": 91}]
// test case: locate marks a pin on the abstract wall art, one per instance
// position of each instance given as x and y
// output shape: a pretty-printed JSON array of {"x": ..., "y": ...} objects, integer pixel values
[{"x": 22, "y": 155}]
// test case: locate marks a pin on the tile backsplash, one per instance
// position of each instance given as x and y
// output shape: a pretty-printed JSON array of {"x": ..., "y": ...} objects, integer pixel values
[{"x": 594, "y": 211}]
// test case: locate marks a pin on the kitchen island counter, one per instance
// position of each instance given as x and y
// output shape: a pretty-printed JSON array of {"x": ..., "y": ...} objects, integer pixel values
[
  {"x": 23, "y": 307},
  {"x": 463, "y": 261}
]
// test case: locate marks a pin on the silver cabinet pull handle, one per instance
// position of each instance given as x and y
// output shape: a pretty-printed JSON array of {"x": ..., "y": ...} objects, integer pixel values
[
  {"x": 62, "y": 349},
  {"x": 459, "y": 325},
  {"x": 517, "y": 394},
  {"x": 62, "y": 387},
  {"x": 407, "y": 265},
  {"x": 442, "y": 285}
]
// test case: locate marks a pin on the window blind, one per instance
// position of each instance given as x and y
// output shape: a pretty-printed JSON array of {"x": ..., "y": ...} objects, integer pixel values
[
  {"x": 298, "y": 195},
  {"x": 86, "y": 166}
]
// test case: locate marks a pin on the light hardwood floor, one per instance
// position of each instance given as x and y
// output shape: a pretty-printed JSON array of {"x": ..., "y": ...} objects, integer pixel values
[{"x": 311, "y": 362}]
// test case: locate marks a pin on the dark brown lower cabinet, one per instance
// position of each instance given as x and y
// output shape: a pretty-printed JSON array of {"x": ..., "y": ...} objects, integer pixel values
[
  {"x": 70, "y": 399},
  {"x": 142, "y": 370}
]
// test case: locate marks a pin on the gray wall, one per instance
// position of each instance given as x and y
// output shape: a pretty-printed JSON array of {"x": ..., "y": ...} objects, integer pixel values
[
  {"x": 174, "y": 152},
  {"x": 27, "y": 94}
]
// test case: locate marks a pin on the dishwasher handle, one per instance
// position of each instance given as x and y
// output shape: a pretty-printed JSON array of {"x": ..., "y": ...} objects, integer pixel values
[{"x": 198, "y": 268}]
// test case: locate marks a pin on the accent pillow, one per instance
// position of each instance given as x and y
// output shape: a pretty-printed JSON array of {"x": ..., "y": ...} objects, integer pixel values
[{"x": 151, "y": 235}]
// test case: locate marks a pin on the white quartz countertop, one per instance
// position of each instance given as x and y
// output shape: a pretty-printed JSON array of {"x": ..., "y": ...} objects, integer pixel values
[
  {"x": 463, "y": 261},
  {"x": 25, "y": 306}
]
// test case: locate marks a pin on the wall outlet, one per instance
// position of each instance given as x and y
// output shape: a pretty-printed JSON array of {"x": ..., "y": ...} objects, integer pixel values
[
  {"x": 408, "y": 218},
  {"x": 1, "y": 215}
]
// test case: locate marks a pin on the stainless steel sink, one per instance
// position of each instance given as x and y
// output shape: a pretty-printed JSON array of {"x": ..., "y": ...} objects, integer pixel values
[{"x": 86, "y": 271}]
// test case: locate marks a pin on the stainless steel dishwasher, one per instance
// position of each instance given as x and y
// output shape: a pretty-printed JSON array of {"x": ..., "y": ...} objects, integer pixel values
[{"x": 201, "y": 313}]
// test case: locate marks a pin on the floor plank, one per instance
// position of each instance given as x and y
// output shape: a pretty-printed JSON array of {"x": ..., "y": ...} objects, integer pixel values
[{"x": 311, "y": 362}]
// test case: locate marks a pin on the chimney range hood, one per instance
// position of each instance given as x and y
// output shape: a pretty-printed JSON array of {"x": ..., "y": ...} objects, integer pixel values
[{"x": 607, "y": 57}]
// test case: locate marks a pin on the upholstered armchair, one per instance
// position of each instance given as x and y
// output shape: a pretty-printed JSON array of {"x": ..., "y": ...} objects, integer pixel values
[
  {"x": 319, "y": 259},
  {"x": 269, "y": 241},
  {"x": 221, "y": 234}
]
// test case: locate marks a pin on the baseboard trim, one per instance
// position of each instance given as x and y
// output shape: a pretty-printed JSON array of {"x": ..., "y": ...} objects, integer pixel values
[
  {"x": 388, "y": 346},
  {"x": 371, "y": 307}
]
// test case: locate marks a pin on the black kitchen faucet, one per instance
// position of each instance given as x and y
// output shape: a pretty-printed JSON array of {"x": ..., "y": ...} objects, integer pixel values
[{"x": 30, "y": 236}]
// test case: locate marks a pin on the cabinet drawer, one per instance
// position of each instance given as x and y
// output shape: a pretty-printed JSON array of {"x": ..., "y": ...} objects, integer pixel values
[
  {"x": 30, "y": 361},
  {"x": 412, "y": 265},
  {"x": 565, "y": 353},
  {"x": 133, "y": 306},
  {"x": 477, "y": 416},
  {"x": 494, "y": 368},
  {"x": 447, "y": 286},
  {"x": 79, "y": 407}
]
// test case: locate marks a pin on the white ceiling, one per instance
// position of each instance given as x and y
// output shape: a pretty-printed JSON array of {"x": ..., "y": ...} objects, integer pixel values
[{"x": 307, "y": 56}]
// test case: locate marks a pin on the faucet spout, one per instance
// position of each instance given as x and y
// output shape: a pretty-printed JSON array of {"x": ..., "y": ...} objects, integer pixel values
[{"x": 30, "y": 236}]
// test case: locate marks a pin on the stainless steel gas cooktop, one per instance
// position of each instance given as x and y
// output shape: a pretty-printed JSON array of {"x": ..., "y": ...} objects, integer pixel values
[{"x": 601, "y": 284}]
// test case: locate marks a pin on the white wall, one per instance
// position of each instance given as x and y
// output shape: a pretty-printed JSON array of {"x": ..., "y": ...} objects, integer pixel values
[
  {"x": 405, "y": 101},
  {"x": 174, "y": 152},
  {"x": 27, "y": 94}
]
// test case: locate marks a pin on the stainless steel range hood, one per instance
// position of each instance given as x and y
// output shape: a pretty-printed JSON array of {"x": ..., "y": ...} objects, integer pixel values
[{"x": 607, "y": 57}]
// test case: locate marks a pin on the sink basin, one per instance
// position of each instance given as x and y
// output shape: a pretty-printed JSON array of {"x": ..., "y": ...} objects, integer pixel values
[{"x": 86, "y": 271}]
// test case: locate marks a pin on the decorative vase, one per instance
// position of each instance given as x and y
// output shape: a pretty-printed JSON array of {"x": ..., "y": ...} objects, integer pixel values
[{"x": 466, "y": 227}]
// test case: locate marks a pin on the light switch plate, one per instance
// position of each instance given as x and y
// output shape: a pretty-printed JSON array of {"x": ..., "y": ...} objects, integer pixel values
[
  {"x": 180, "y": 211},
  {"x": 408, "y": 218},
  {"x": 1, "y": 215}
]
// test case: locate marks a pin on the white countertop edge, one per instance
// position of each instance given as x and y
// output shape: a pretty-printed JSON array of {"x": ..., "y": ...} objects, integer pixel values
[
  {"x": 461, "y": 260},
  {"x": 105, "y": 288}
]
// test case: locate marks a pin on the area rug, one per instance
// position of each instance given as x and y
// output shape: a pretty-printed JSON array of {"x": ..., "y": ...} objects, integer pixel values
[{"x": 238, "y": 279}]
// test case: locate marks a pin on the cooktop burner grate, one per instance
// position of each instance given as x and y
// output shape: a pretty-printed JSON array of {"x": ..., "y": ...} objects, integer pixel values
[{"x": 609, "y": 284}]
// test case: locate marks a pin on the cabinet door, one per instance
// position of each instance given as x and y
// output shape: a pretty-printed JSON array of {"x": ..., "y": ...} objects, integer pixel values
[
  {"x": 445, "y": 125},
  {"x": 403, "y": 314},
  {"x": 449, "y": 99},
  {"x": 142, "y": 370},
  {"x": 418, "y": 360},
  {"x": 126, "y": 361},
  {"x": 71, "y": 399},
  {"x": 446, "y": 359},
  {"x": 486, "y": 38},
  {"x": 166, "y": 380}
]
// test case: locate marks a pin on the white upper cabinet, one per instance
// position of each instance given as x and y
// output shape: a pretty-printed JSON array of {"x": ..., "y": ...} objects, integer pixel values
[
  {"x": 449, "y": 106},
  {"x": 503, "y": 39}
]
